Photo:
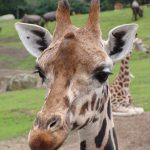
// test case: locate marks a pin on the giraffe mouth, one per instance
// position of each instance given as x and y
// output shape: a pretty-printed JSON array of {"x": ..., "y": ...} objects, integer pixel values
[{"x": 39, "y": 139}]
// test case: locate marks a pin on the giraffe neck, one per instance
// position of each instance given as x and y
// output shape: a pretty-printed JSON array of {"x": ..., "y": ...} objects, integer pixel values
[
  {"x": 120, "y": 92},
  {"x": 124, "y": 73},
  {"x": 106, "y": 137},
  {"x": 100, "y": 133}
]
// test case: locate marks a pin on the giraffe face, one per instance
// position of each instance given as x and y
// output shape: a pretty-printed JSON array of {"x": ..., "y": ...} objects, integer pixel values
[
  {"x": 71, "y": 80},
  {"x": 75, "y": 66},
  {"x": 69, "y": 74}
]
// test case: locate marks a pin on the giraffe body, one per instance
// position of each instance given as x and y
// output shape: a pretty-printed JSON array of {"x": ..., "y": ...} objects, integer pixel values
[
  {"x": 75, "y": 64},
  {"x": 136, "y": 9},
  {"x": 120, "y": 87}
]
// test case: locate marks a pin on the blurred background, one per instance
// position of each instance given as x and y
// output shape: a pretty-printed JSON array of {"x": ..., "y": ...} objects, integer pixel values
[
  {"x": 21, "y": 91},
  {"x": 20, "y": 7}
]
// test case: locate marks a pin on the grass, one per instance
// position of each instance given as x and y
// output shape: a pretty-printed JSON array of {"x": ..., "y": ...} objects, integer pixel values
[
  {"x": 140, "y": 87},
  {"x": 109, "y": 20},
  {"x": 8, "y": 29},
  {"x": 16, "y": 44},
  {"x": 121, "y": 17},
  {"x": 18, "y": 109}
]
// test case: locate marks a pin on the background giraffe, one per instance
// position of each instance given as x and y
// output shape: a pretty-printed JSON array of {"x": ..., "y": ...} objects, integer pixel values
[{"x": 120, "y": 87}]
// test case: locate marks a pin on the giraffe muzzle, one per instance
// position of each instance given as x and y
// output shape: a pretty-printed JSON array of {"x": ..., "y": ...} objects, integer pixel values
[
  {"x": 47, "y": 134},
  {"x": 40, "y": 140}
]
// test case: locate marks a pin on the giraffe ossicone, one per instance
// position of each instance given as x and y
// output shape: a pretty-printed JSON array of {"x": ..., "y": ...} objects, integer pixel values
[{"x": 76, "y": 63}]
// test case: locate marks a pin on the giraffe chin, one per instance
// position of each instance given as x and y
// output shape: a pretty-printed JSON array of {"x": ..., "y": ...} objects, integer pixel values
[{"x": 45, "y": 140}]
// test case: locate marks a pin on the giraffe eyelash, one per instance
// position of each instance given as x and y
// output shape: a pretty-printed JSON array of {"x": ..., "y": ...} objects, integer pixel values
[
  {"x": 102, "y": 76},
  {"x": 39, "y": 71}
]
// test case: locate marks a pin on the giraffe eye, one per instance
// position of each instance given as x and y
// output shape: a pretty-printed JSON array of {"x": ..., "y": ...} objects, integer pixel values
[{"x": 102, "y": 76}]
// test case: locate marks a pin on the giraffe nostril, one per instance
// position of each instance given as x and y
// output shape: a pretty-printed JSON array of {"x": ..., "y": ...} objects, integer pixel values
[{"x": 54, "y": 122}]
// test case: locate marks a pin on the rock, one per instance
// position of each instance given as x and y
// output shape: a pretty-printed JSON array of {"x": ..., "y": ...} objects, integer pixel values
[
  {"x": 7, "y": 17},
  {"x": 22, "y": 81},
  {"x": 4, "y": 82}
]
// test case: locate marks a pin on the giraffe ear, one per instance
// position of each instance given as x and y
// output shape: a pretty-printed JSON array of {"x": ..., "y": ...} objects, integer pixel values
[
  {"x": 120, "y": 41},
  {"x": 35, "y": 38}
]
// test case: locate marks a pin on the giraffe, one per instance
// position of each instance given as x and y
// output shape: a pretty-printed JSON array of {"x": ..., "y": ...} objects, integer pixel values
[
  {"x": 120, "y": 87},
  {"x": 140, "y": 45},
  {"x": 75, "y": 64},
  {"x": 136, "y": 9}
]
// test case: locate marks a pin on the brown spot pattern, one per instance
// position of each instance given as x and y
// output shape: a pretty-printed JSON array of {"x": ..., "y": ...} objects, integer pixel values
[
  {"x": 93, "y": 101},
  {"x": 84, "y": 108},
  {"x": 73, "y": 109},
  {"x": 66, "y": 101}
]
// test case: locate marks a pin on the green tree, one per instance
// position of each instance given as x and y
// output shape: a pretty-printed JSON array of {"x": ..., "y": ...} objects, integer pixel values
[
  {"x": 10, "y": 6},
  {"x": 40, "y": 6},
  {"x": 79, "y": 6}
]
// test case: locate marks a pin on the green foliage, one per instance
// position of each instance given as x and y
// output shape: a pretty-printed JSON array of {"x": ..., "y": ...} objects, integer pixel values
[
  {"x": 46, "y": 6},
  {"x": 79, "y": 6},
  {"x": 40, "y": 6},
  {"x": 10, "y": 6},
  {"x": 107, "y": 4}
]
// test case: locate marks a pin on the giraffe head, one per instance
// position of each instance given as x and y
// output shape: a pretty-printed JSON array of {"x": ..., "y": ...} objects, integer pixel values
[
  {"x": 75, "y": 64},
  {"x": 139, "y": 45}
]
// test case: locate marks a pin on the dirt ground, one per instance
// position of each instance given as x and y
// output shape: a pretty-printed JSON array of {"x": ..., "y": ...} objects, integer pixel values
[{"x": 133, "y": 134}]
